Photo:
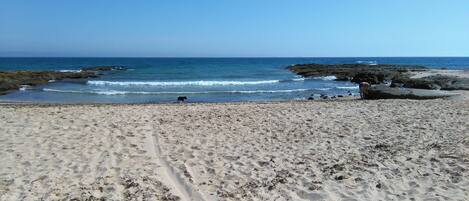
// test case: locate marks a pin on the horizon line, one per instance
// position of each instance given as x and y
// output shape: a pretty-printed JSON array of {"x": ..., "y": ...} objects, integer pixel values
[{"x": 234, "y": 57}]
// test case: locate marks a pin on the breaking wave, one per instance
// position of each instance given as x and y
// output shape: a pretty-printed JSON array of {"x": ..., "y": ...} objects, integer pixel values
[
  {"x": 371, "y": 63},
  {"x": 69, "y": 71},
  {"x": 348, "y": 87},
  {"x": 182, "y": 83},
  {"x": 188, "y": 83},
  {"x": 331, "y": 77}
]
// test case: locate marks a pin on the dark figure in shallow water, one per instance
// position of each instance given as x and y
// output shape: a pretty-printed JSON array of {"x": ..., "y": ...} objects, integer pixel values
[{"x": 182, "y": 98}]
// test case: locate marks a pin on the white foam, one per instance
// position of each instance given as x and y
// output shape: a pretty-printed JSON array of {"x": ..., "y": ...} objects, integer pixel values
[
  {"x": 371, "y": 63},
  {"x": 63, "y": 91},
  {"x": 269, "y": 91},
  {"x": 69, "y": 71},
  {"x": 182, "y": 83},
  {"x": 24, "y": 87},
  {"x": 331, "y": 77},
  {"x": 347, "y": 87},
  {"x": 299, "y": 79}
]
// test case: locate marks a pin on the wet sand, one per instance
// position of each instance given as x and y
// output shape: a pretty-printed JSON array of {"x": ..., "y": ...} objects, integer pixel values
[{"x": 317, "y": 150}]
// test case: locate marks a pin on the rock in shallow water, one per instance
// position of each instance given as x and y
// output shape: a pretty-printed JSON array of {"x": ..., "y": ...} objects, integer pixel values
[{"x": 14, "y": 80}]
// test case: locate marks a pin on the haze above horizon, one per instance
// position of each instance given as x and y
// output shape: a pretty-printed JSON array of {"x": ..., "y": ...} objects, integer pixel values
[{"x": 209, "y": 28}]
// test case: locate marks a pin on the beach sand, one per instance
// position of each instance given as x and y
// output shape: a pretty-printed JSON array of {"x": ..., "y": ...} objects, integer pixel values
[{"x": 317, "y": 150}]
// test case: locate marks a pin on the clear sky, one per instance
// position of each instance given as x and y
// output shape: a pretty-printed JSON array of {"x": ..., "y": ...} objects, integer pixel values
[{"x": 234, "y": 28}]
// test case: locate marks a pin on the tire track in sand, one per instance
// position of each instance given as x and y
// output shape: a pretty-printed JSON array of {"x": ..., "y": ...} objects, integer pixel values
[{"x": 171, "y": 177}]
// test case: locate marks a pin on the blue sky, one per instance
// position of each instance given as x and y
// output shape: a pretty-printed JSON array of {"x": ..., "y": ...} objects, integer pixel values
[{"x": 234, "y": 28}]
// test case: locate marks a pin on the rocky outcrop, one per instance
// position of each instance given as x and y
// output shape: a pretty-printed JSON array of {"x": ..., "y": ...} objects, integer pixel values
[
  {"x": 385, "y": 92},
  {"x": 404, "y": 84},
  {"x": 14, "y": 80},
  {"x": 105, "y": 68},
  {"x": 374, "y": 74}
]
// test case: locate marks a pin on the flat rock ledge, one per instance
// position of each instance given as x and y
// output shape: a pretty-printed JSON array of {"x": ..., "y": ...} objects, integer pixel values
[
  {"x": 385, "y": 92},
  {"x": 14, "y": 80},
  {"x": 404, "y": 84},
  {"x": 438, "y": 81}
]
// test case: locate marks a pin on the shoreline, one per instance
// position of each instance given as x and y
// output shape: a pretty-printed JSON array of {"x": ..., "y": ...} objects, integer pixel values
[
  {"x": 32, "y": 104},
  {"x": 461, "y": 95}
]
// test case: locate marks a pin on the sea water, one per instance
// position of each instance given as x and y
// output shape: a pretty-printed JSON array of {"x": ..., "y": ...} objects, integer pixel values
[{"x": 154, "y": 80}]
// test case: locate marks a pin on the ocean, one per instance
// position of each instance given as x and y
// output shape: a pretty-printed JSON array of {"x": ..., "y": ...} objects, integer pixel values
[{"x": 162, "y": 80}]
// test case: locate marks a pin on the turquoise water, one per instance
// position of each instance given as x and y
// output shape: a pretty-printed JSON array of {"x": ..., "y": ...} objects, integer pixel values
[{"x": 200, "y": 79}]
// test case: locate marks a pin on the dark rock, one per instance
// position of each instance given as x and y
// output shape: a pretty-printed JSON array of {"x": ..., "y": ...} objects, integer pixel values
[
  {"x": 340, "y": 177},
  {"x": 13, "y": 80},
  {"x": 396, "y": 84},
  {"x": 433, "y": 82},
  {"x": 380, "y": 74},
  {"x": 311, "y": 98},
  {"x": 340, "y": 96},
  {"x": 372, "y": 78},
  {"x": 324, "y": 96},
  {"x": 357, "y": 73},
  {"x": 385, "y": 92},
  {"x": 378, "y": 185},
  {"x": 105, "y": 68}
]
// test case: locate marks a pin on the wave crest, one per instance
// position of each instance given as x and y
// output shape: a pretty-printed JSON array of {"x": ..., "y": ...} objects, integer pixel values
[
  {"x": 181, "y": 83},
  {"x": 326, "y": 78},
  {"x": 347, "y": 87},
  {"x": 68, "y": 71}
]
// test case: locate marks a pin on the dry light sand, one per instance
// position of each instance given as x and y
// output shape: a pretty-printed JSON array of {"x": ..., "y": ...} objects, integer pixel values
[{"x": 318, "y": 150}]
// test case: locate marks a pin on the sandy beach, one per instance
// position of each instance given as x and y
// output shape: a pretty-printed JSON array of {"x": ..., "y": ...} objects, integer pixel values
[{"x": 317, "y": 150}]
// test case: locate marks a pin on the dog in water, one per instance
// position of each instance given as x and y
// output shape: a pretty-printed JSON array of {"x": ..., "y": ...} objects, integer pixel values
[{"x": 182, "y": 98}]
